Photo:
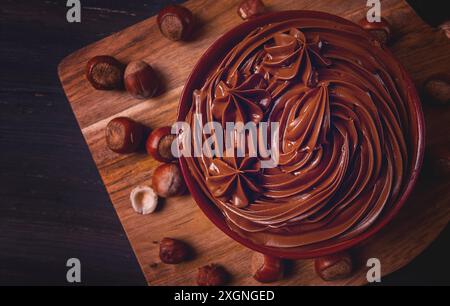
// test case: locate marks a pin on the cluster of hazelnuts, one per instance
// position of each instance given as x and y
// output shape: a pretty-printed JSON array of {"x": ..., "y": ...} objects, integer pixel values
[
  {"x": 174, "y": 251},
  {"x": 265, "y": 268},
  {"x": 124, "y": 135},
  {"x": 105, "y": 72},
  {"x": 175, "y": 22}
]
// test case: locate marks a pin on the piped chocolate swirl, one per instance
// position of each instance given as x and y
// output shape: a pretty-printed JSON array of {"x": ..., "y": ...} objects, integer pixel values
[{"x": 340, "y": 101}]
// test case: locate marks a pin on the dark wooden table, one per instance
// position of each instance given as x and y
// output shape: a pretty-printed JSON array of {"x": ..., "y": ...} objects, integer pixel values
[{"x": 53, "y": 205}]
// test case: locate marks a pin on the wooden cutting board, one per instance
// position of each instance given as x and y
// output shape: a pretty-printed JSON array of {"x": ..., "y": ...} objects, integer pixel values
[{"x": 422, "y": 50}]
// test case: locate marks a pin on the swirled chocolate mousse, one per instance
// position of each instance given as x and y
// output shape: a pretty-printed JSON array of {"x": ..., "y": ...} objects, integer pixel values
[{"x": 340, "y": 100}]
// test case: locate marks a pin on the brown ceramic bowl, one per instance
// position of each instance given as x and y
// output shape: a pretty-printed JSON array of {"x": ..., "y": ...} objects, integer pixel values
[{"x": 210, "y": 58}]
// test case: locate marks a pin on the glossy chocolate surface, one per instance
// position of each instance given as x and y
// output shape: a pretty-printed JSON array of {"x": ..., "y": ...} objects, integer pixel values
[{"x": 341, "y": 101}]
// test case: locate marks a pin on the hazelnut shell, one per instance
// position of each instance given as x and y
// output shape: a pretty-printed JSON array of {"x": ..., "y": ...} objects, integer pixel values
[
  {"x": 212, "y": 275},
  {"x": 248, "y": 9},
  {"x": 104, "y": 72},
  {"x": 167, "y": 181},
  {"x": 334, "y": 267},
  {"x": 141, "y": 80},
  {"x": 176, "y": 22},
  {"x": 123, "y": 135},
  {"x": 143, "y": 200},
  {"x": 159, "y": 144},
  {"x": 173, "y": 251},
  {"x": 437, "y": 89},
  {"x": 445, "y": 28},
  {"x": 381, "y": 31}
]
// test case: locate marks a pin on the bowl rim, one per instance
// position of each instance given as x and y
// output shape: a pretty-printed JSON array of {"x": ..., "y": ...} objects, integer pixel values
[{"x": 215, "y": 215}]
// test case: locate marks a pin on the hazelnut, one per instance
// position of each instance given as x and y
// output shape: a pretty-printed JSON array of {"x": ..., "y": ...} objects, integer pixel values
[
  {"x": 104, "y": 72},
  {"x": 334, "y": 267},
  {"x": 143, "y": 200},
  {"x": 173, "y": 251},
  {"x": 141, "y": 80},
  {"x": 445, "y": 27},
  {"x": 176, "y": 22},
  {"x": 212, "y": 275},
  {"x": 437, "y": 89},
  {"x": 123, "y": 135},
  {"x": 381, "y": 31},
  {"x": 251, "y": 8},
  {"x": 266, "y": 269},
  {"x": 168, "y": 181},
  {"x": 159, "y": 144}
]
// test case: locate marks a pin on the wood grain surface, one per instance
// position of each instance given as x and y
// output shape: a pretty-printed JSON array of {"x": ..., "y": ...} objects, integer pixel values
[{"x": 422, "y": 51}]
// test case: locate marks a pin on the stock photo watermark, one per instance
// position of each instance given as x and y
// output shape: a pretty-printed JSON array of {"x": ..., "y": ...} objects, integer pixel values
[
  {"x": 74, "y": 12},
  {"x": 374, "y": 13},
  {"x": 73, "y": 275},
  {"x": 373, "y": 274},
  {"x": 236, "y": 140}
]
